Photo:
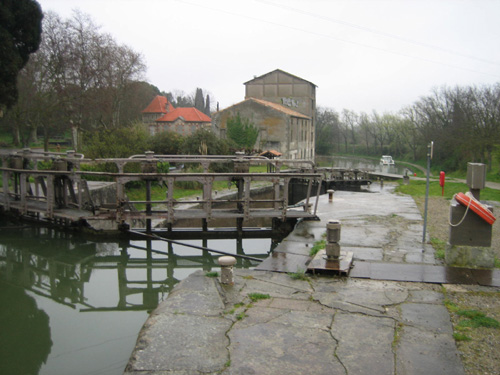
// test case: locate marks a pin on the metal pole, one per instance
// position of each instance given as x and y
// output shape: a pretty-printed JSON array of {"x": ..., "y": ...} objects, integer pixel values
[
  {"x": 148, "y": 206},
  {"x": 429, "y": 156}
]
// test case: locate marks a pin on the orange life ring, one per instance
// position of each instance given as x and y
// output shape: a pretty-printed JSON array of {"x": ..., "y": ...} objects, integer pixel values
[{"x": 476, "y": 206}]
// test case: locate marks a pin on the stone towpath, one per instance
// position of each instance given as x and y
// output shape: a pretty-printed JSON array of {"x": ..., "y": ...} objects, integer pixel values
[{"x": 271, "y": 323}]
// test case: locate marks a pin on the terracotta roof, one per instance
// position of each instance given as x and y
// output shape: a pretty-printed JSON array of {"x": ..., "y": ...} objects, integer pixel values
[
  {"x": 190, "y": 114},
  {"x": 271, "y": 153},
  {"x": 159, "y": 104}
]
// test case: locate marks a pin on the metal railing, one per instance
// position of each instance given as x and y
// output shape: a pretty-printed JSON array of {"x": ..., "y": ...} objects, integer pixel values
[{"x": 56, "y": 185}]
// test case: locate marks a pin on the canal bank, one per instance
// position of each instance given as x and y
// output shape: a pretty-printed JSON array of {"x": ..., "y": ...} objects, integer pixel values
[{"x": 273, "y": 323}]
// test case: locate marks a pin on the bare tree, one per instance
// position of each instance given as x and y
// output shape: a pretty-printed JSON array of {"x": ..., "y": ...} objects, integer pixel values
[{"x": 80, "y": 77}]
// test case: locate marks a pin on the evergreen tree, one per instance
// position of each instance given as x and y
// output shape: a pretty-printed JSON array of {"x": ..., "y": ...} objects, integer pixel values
[
  {"x": 242, "y": 131},
  {"x": 199, "y": 102},
  {"x": 207, "y": 106},
  {"x": 20, "y": 35}
]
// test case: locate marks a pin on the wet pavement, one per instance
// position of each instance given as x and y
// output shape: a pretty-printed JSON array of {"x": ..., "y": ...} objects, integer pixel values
[{"x": 316, "y": 324}]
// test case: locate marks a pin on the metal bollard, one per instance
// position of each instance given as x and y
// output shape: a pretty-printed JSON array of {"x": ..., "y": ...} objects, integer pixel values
[
  {"x": 330, "y": 195},
  {"x": 333, "y": 231},
  {"x": 226, "y": 272},
  {"x": 332, "y": 251},
  {"x": 332, "y": 247}
]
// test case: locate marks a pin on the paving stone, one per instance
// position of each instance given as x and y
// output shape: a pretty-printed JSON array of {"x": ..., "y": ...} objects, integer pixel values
[
  {"x": 196, "y": 294},
  {"x": 275, "y": 348},
  {"x": 365, "y": 253},
  {"x": 425, "y": 296},
  {"x": 283, "y": 286},
  {"x": 294, "y": 247},
  {"x": 421, "y": 352},
  {"x": 290, "y": 304},
  {"x": 427, "y": 316},
  {"x": 170, "y": 345},
  {"x": 370, "y": 355}
]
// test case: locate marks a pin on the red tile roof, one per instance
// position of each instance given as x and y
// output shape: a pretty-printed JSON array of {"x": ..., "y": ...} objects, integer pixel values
[
  {"x": 271, "y": 153},
  {"x": 188, "y": 114},
  {"x": 159, "y": 104}
]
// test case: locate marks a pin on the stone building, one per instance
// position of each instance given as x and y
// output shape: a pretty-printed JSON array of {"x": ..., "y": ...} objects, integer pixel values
[
  {"x": 283, "y": 108},
  {"x": 280, "y": 128},
  {"x": 160, "y": 115}
]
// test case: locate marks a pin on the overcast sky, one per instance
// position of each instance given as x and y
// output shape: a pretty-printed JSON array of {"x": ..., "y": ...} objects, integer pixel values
[{"x": 363, "y": 55}]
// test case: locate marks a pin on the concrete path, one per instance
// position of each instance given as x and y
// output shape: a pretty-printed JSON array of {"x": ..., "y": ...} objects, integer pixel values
[{"x": 315, "y": 325}]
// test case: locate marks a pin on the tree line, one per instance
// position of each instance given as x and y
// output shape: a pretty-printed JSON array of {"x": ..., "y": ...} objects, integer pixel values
[
  {"x": 81, "y": 81},
  {"x": 463, "y": 123},
  {"x": 123, "y": 142}
]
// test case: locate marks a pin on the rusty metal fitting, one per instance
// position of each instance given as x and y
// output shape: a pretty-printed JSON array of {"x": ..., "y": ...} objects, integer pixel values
[{"x": 330, "y": 195}]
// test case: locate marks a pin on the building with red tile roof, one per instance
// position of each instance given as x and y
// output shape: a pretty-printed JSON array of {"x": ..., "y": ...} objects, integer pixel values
[
  {"x": 184, "y": 121},
  {"x": 160, "y": 115},
  {"x": 157, "y": 108}
]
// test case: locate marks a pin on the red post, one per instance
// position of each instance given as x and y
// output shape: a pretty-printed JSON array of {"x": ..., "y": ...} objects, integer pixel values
[{"x": 441, "y": 181}]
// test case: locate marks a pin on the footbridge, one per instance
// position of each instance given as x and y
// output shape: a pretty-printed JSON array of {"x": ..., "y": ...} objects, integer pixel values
[{"x": 56, "y": 187}]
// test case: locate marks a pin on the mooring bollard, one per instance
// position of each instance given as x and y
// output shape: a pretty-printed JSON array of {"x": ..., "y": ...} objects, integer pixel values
[
  {"x": 226, "y": 269},
  {"x": 330, "y": 195},
  {"x": 332, "y": 247}
]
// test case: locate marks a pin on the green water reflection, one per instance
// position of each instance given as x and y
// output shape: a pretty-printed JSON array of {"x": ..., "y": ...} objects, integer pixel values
[
  {"x": 24, "y": 329},
  {"x": 70, "y": 305}
]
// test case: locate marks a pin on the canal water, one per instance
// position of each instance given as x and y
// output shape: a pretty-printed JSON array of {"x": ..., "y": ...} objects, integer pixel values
[
  {"x": 349, "y": 162},
  {"x": 70, "y": 305}
]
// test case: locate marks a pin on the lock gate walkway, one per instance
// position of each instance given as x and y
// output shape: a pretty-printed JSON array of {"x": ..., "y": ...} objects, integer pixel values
[{"x": 56, "y": 188}]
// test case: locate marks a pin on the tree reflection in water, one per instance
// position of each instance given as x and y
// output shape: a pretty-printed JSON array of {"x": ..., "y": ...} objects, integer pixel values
[{"x": 25, "y": 341}]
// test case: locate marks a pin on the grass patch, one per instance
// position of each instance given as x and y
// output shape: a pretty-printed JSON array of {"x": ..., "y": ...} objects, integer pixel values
[
  {"x": 458, "y": 336},
  {"x": 254, "y": 297},
  {"x": 452, "y": 307},
  {"x": 439, "y": 247},
  {"x": 476, "y": 319},
  {"x": 212, "y": 274},
  {"x": 416, "y": 188},
  {"x": 473, "y": 318},
  {"x": 241, "y": 315},
  {"x": 318, "y": 245},
  {"x": 261, "y": 168},
  {"x": 299, "y": 275},
  {"x": 397, "y": 335}
]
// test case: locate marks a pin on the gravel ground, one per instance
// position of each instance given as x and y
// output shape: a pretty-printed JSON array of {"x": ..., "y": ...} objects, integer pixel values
[{"x": 479, "y": 347}]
